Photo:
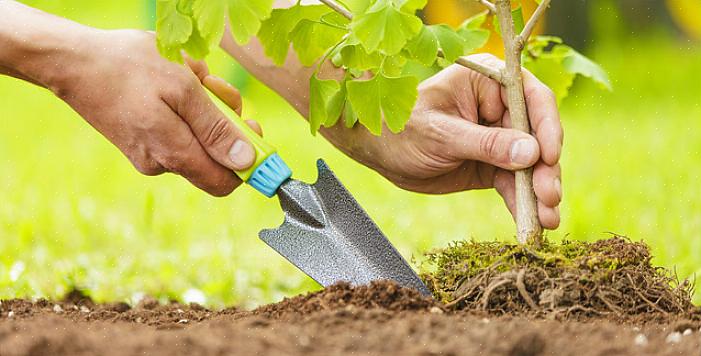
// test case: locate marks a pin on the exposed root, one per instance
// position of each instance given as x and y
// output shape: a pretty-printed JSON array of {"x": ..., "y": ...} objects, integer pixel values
[{"x": 607, "y": 277}]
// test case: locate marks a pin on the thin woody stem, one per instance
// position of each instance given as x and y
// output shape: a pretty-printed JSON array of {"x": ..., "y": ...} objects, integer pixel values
[
  {"x": 338, "y": 8},
  {"x": 463, "y": 61},
  {"x": 488, "y": 5},
  {"x": 530, "y": 25},
  {"x": 480, "y": 68},
  {"x": 528, "y": 225}
]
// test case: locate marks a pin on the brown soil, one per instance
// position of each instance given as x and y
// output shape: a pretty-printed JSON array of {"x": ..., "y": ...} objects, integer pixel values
[{"x": 376, "y": 320}]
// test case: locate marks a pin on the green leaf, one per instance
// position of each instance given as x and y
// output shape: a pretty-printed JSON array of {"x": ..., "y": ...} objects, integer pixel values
[
  {"x": 472, "y": 32},
  {"x": 197, "y": 46},
  {"x": 326, "y": 99},
  {"x": 380, "y": 96},
  {"x": 475, "y": 22},
  {"x": 392, "y": 66},
  {"x": 551, "y": 71},
  {"x": 577, "y": 63},
  {"x": 311, "y": 39},
  {"x": 385, "y": 28},
  {"x": 275, "y": 32},
  {"x": 357, "y": 7},
  {"x": 172, "y": 29},
  {"x": 209, "y": 16},
  {"x": 425, "y": 45},
  {"x": 452, "y": 44},
  {"x": 356, "y": 57},
  {"x": 245, "y": 17},
  {"x": 349, "y": 116},
  {"x": 517, "y": 16},
  {"x": 411, "y": 6}
]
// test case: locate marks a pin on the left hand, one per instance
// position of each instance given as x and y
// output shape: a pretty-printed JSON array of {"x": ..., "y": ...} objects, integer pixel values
[{"x": 459, "y": 138}]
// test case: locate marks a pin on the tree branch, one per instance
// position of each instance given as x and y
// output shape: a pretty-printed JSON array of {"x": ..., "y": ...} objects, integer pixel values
[
  {"x": 463, "y": 61},
  {"x": 338, "y": 8},
  {"x": 530, "y": 25},
  {"x": 528, "y": 225},
  {"x": 488, "y": 5},
  {"x": 480, "y": 68}
]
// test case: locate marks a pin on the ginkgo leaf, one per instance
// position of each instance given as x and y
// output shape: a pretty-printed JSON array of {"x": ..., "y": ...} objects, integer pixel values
[
  {"x": 475, "y": 22},
  {"x": 275, "y": 32},
  {"x": 358, "y": 7},
  {"x": 311, "y": 39},
  {"x": 425, "y": 45},
  {"x": 325, "y": 102},
  {"x": 472, "y": 32},
  {"x": 577, "y": 63},
  {"x": 393, "y": 66},
  {"x": 517, "y": 16},
  {"x": 551, "y": 71},
  {"x": 209, "y": 16},
  {"x": 349, "y": 116},
  {"x": 411, "y": 6},
  {"x": 172, "y": 29},
  {"x": 196, "y": 46},
  {"x": 356, "y": 57},
  {"x": 381, "y": 96},
  {"x": 385, "y": 28},
  {"x": 245, "y": 17}
]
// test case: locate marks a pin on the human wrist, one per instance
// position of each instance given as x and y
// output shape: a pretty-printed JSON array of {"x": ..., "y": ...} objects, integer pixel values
[{"x": 39, "y": 47}]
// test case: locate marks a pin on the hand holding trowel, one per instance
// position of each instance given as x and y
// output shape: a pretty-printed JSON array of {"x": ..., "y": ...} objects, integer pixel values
[{"x": 326, "y": 233}]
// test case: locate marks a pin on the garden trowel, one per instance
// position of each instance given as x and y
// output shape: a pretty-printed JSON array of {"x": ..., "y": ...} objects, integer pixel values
[{"x": 326, "y": 234}]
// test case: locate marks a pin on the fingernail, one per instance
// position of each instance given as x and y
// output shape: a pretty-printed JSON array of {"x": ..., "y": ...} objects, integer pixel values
[
  {"x": 558, "y": 188},
  {"x": 522, "y": 152},
  {"x": 241, "y": 154}
]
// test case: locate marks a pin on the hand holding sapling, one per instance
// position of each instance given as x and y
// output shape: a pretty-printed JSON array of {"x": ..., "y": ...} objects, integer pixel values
[{"x": 459, "y": 138}]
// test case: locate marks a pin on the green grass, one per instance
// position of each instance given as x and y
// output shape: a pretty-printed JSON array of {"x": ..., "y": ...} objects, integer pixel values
[{"x": 73, "y": 211}]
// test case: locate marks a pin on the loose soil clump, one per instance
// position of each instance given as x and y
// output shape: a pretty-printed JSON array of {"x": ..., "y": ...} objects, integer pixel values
[
  {"x": 610, "y": 278},
  {"x": 384, "y": 295}
]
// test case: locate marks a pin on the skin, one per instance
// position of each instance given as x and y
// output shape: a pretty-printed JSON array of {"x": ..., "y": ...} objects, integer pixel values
[
  {"x": 155, "y": 111},
  {"x": 158, "y": 114}
]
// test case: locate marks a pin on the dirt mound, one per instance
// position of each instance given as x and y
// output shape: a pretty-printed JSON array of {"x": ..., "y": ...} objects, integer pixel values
[
  {"x": 612, "y": 278},
  {"x": 378, "y": 294}
]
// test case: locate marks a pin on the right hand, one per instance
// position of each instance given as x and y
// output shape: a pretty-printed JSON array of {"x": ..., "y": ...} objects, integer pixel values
[{"x": 155, "y": 111}]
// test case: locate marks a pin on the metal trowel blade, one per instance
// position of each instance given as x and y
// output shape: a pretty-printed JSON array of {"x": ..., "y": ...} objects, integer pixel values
[{"x": 328, "y": 236}]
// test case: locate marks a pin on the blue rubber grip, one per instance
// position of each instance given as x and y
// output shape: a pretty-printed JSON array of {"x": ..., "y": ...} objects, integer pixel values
[{"x": 269, "y": 175}]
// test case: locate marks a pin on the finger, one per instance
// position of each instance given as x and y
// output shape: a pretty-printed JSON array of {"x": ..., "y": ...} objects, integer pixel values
[
  {"x": 255, "y": 126},
  {"x": 505, "y": 185},
  {"x": 180, "y": 152},
  {"x": 217, "y": 134},
  {"x": 224, "y": 91},
  {"x": 544, "y": 117},
  {"x": 547, "y": 185},
  {"x": 504, "y": 148},
  {"x": 491, "y": 108},
  {"x": 198, "y": 67},
  {"x": 549, "y": 217}
]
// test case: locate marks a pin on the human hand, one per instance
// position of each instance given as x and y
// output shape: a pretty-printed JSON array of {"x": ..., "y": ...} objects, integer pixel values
[
  {"x": 459, "y": 138},
  {"x": 155, "y": 111}
]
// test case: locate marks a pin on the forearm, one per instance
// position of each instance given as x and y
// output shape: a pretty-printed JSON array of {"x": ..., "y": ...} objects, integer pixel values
[
  {"x": 36, "y": 46},
  {"x": 291, "y": 80}
]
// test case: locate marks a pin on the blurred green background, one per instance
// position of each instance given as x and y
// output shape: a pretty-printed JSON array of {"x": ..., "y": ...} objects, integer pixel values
[{"x": 74, "y": 213}]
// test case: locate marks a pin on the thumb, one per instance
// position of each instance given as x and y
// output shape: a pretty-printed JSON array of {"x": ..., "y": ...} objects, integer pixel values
[
  {"x": 505, "y": 148},
  {"x": 217, "y": 134}
]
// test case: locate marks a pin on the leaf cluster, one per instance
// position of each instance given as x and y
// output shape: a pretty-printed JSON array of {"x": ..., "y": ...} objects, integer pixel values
[{"x": 376, "y": 48}]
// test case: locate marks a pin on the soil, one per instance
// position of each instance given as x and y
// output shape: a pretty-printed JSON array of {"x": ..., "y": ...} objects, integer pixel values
[{"x": 378, "y": 319}]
